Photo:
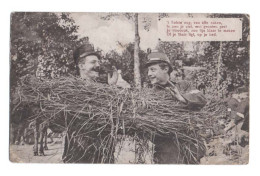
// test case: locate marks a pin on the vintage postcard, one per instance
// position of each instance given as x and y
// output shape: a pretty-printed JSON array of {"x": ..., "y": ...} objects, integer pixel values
[{"x": 129, "y": 88}]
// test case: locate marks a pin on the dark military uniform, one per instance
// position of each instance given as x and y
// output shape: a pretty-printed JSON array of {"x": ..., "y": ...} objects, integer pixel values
[
  {"x": 167, "y": 150},
  {"x": 82, "y": 148}
]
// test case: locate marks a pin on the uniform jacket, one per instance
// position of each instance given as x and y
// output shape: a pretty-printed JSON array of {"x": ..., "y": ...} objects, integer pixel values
[
  {"x": 194, "y": 98},
  {"x": 166, "y": 149}
]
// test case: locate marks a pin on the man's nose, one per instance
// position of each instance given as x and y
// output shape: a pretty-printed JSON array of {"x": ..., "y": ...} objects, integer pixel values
[
  {"x": 97, "y": 64},
  {"x": 149, "y": 73}
]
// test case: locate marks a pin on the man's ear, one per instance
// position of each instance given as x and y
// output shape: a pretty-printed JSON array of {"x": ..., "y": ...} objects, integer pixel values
[
  {"x": 166, "y": 69},
  {"x": 80, "y": 65}
]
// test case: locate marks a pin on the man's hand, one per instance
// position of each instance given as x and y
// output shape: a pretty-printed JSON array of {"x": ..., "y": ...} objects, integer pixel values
[
  {"x": 175, "y": 92},
  {"x": 112, "y": 80}
]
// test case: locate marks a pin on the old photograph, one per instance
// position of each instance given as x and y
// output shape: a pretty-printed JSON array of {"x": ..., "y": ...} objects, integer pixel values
[{"x": 129, "y": 88}]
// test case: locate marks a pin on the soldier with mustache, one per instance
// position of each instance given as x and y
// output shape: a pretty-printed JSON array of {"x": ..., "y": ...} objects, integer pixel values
[{"x": 87, "y": 62}]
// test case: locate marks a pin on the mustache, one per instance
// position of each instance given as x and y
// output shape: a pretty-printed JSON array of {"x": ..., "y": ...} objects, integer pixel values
[{"x": 96, "y": 69}]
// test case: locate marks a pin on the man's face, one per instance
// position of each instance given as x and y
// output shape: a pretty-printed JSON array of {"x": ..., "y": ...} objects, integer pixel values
[
  {"x": 89, "y": 67},
  {"x": 157, "y": 75}
]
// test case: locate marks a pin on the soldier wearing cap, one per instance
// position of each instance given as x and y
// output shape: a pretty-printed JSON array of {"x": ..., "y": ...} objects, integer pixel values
[
  {"x": 159, "y": 70},
  {"x": 87, "y": 62}
]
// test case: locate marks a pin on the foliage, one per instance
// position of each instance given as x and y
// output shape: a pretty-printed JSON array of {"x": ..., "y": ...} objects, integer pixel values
[
  {"x": 41, "y": 45},
  {"x": 125, "y": 62}
]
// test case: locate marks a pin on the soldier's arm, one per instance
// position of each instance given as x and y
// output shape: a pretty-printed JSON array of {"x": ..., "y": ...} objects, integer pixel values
[{"x": 193, "y": 98}]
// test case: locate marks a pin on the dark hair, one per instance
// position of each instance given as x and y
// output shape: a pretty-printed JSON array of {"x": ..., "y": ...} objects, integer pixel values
[
  {"x": 76, "y": 55},
  {"x": 163, "y": 65}
]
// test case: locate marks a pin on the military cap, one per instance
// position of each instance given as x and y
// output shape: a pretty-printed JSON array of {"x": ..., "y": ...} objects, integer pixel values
[{"x": 157, "y": 57}]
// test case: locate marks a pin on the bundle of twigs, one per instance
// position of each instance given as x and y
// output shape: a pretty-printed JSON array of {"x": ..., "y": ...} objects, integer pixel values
[{"x": 94, "y": 114}]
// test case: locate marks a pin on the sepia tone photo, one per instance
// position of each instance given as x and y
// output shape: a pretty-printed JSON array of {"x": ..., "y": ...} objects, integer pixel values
[{"x": 129, "y": 88}]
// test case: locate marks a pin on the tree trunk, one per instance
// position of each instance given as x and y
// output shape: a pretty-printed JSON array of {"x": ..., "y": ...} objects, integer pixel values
[
  {"x": 219, "y": 70},
  {"x": 137, "y": 75},
  {"x": 35, "y": 130}
]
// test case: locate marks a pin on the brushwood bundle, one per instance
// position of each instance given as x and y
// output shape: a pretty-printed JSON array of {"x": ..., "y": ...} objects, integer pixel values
[{"x": 94, "y": 115}]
